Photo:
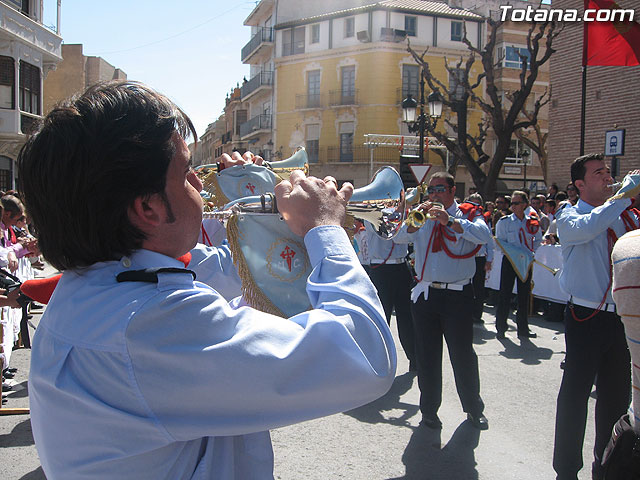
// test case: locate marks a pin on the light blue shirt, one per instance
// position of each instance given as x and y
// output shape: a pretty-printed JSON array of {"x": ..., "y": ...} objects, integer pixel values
[
  {"x": 512, "y": 230},
  {"x": 381, "y": 249},
  {"x": 105, "y": 405},
  {"x": 582, "y": 230},
  {"x": 440, "y": 267},
  {"x": 214, "y": 266}
]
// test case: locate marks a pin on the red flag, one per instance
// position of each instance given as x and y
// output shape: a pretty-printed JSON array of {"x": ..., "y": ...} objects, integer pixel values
[{"x": 610, "y": 43}]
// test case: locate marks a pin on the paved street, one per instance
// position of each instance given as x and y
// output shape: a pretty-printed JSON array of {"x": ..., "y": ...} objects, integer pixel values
[{"x": 381, "y": 440}]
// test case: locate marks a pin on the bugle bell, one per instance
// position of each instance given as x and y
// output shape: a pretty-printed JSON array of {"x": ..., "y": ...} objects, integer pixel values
[{"x": 381, "y": 203}]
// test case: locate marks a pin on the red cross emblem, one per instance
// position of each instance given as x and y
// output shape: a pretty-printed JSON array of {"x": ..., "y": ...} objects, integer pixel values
[
  {"x": 288, "y": 254},
  {"x": 251, "y": 188}
]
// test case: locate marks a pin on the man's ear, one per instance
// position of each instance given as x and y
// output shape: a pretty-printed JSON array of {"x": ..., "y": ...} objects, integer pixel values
[{"x": 147, "y": 211}]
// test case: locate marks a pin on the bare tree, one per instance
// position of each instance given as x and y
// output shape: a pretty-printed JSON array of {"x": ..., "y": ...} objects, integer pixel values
[{"x": 505, "y": 121}]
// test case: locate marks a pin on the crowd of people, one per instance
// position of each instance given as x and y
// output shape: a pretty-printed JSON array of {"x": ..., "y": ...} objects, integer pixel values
[
  {"x": 138, "y": 297},
  {"x": 19, "y": 259}
]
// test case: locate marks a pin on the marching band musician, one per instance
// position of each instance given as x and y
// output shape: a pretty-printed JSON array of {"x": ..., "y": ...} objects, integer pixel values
[
  {"x": 125, "y": 313},
  {"x": 445, "y": 250},
  {"x": 521, "y": 230},
  {"x": 391, "y": 276},
  {"x": 594, "y": 334}
]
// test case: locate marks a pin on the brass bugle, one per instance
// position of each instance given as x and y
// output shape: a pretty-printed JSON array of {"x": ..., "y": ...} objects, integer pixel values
[{"x": 416, "y": 218}]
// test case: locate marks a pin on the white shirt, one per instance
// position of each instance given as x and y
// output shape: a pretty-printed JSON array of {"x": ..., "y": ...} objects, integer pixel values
[{"x": 104, "y": 403}]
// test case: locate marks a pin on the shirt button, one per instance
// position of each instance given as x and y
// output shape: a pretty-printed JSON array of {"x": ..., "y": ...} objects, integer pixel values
[{"x": 126, "y": 262}]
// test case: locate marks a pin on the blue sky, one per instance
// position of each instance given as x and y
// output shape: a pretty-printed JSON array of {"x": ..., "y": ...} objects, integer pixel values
[{"x": 188, "y": 49}]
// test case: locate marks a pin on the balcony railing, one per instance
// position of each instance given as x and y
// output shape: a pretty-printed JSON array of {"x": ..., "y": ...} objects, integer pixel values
[
  {"x": 358, "y": 154},
  {"x": 308, "y": 101},
  {"x": 260, "y": 80},
  {"x": 343, "y": 97},
  {"x": 259, "y": 122},
  {"x": 263, "y": 35},
  {"x": 226, "y": 137}
]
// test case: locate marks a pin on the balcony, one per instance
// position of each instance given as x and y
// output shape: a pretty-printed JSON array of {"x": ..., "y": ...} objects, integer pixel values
[
  {"x": 343, "y": 97},
  {"x": 259, "y": 45},
  {"x": 358, "y": 154},
  {"x": 309, "y": 101},
  {"x": 257, "y": 125},
  {"x": 226, "y": 138},
  {"x": 15, "y": 25},
  {"x": 262, "y": 81}
]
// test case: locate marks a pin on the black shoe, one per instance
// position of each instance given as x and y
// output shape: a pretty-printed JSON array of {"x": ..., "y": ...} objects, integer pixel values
[
  {"x": 36, "y": 306},
  {"x": 480, "y": 421},
  {"x": 6, "y": 387},
  {"x": 431, "y": 421},
  {"x": 12, "y": 370},
  {"x": 7, "y": 374},
  {"x": 528, "y": 334}
]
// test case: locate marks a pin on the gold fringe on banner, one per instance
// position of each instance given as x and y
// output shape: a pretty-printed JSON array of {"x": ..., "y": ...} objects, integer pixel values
[
  {"x": 250, "y": 290},
  {"x": 212, "y": 187}
]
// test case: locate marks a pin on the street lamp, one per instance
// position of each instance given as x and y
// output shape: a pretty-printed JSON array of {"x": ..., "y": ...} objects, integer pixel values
[{"x": 416, "y": 123}]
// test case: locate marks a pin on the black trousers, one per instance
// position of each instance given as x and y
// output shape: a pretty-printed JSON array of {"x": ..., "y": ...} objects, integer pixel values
[
  {"x": 507, "y": 276},
  {"x": 594, "y": 347},
  {"x": 393, "y": 282},
  {"x": 446, "y": 313},
  {"x": 478, "y": 288}
]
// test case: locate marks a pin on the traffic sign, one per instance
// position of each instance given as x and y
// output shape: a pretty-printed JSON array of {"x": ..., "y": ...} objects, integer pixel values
[
  {"x": 420, "y": 171},
  {"x": 614, "y": 143}
]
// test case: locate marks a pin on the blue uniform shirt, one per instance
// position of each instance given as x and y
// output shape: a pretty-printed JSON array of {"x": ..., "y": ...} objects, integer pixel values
[
  {"x": 381, "y": 249},
  {"x": 512, "y": 230},
  {"x": 440, "y": 267},
  {"x": 582, "y": 230},
  {"x": 103, "y": 404}
]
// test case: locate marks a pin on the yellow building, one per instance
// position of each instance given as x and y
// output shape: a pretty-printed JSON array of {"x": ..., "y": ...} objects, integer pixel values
[{"x": 344, "y": 74}]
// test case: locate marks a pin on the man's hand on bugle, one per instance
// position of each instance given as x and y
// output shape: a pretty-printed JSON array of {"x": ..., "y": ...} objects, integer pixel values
[{"x": 308, "y": 202}]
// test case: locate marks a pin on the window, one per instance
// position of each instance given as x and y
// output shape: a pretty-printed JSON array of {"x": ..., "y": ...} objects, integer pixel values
[
  {"x": 456, "y": 31},
  {"x": 315, "y": 33},
  {"x": 456, "y": 83},
  {"x": 293, "y": 41},
  {"x": 348, "y": 83},
  {"x": 241, "y": 117},
  {"x": 313, "y": 89},
  {"x": 513, "y": 56},
  {"x": 29, "y": 88},
  {"x": 25, "y": 7},
  {"x": 313, "y": 142},
  {"x": 349, "y": 27},
  {"x": 410, "y": 25},
  {"x": 518, "y": 153},
  {"x": 346, "y": 142},
  {"x": 5, "y": 173},
  {"x": 410, "y": 79},
  {"x": 7, "y": 82}
]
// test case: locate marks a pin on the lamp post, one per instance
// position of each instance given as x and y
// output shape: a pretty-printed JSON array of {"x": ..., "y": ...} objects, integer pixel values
[
  {"x": 525, "y": 158},
  {"x": 417, "y": 123}
]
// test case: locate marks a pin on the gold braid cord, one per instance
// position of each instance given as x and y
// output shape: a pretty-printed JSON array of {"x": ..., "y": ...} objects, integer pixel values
[
  {"x": 250, "y": 290},
  {"x": 212, "y": 187}
]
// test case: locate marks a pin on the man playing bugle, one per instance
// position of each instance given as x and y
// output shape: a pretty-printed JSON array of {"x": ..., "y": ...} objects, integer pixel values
[{"x": 108, "y": 182}]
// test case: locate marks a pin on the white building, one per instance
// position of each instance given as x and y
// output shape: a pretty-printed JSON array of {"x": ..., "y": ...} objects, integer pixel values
[{"x": 28, "y": 51}]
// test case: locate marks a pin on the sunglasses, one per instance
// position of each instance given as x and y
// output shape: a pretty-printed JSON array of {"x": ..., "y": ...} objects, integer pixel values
[
  {"x": 518, "y": 203},
  {"x": 437, "y": 189}
]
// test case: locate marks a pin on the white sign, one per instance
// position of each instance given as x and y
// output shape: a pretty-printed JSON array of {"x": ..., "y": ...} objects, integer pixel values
[
  {"x": 420, "y": 171},
  {"x": 614, "y": 143}
]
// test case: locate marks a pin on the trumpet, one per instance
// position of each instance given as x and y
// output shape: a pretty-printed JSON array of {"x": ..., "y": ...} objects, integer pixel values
[{"x": 416, "y": 218}]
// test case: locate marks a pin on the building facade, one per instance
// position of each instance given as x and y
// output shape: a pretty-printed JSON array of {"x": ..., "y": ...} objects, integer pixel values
[
  {"x": 75, "y": 73},
  {"x": 344, "y": 74},
  {"x": 611, "y": 103},
  {"x": 28, "y": 52}
]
